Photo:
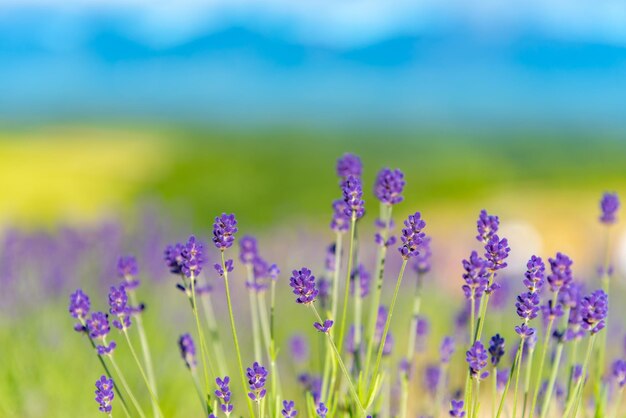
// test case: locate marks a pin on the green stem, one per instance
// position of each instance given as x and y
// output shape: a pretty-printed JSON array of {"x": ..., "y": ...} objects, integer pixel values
[
  {"x": 344, "y": 314},
  {"x": 570, "y": 367},
  {"x": 120, "y": 375},
  {"x": 196, "y": 383},
  {"x": 516, "y": 364},
  {"x": 381, "y": 346},
  {"x": 271, "y": 353},
  {"x": 341, "y": 364},
  {"x": 517, "y": 373},
  {"x": 529, "y": 367},
  {"x": 618, "y": 402},
  {"x": 142, "y": 371},
  {"x": 494, "y": 390},
  {"x": 254, "y": 314},
  {"x": 578, "y": 391},
  {"x": 209, "y": 315},
  {"x": 468, "y": 380},
  {"x": 410, "y": 352},
  {"x": 553, "y": 374},
  {"x": 484, "y": 302},
  {"x": 440, "y": 388},
  {"x": 233, "y": 328},
  {"x": 203, "y": 348},
  {"x": 335, "y": 302}
]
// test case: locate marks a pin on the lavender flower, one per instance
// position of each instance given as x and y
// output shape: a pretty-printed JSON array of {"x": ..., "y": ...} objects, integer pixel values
[
  {"x": 577, "y": 372},
  {"x": 447, "y": 349},
  {"x": 187, "y": 350},
  {"x": 223, "y": 394},
  {"x": 412, "y": 236},
  {"x": 193, "y": 257},
  {"x": 105, "y": 394},
  {"x": 524, "y": 331},
  {"x": 389, "y": 342},
  {"x": 364, "y": 280},
  {"x": 325, "y": 327},
  {"x": 527, "y": 306},
  {"x": 289, "y": 409},
  {"x": 98, "y": 325},
  {"x": 389, "y": 185},
  {"x": 174, "y": 258},
  {"x": 248, "y": 250},
  {"x": 422, "y": 262},
  {"x": 432, "y": 374},
  {"x": 220, "y": 270},
  {"x": 487, "y": 225},
  {"x": 303, "y": 285},
  {"x": 118, "y": 300},
  {"x": 476, "y": 276},
  {"x": 619, "y": 372},
  {"x": 299, "y": 349},
  {"x": 534, "y": 276},
  {"x": 321, "y": 410},
  {"x": 349, "y": 165},
  {"x": 340, "y": 221},
  {"x": 609, "y": 206},
  {"x": 496, "y": 251},
  {"x": 224, "y": 230},
  {"x": 79, "y": 305},
  {"x": 502, "y": 379},
  {"x": 477, "y": 358},
  {"x": 457, "y": 409},
  {"x": 257, "y": 375},
  {"x": 353, "y": 197},
  {"x": 594, "y": 309},
  {"x": 561, "y": 275},
  {"x": 496, "y": 349},
  {"x": 331, "y": 256},
  {"x": 127, "y": 267}
]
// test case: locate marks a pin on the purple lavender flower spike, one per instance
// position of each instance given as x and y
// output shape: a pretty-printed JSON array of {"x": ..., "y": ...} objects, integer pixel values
[
  {"x": 447, "y": 349},
  {"x": 98, "y": 325},
  {"x": 127, "y": 267},
  {"x": 323, "y": 287},
  {"x": 340, "y": 221},
  {"x": 193, "y": 257},
  {"x": 248, "y": 250},
  {"x": 303, "y": 284},
  {"x": 456, "y": 409},
  {"x": 412, "y": 236},
  {"x": 561, "y": 275},
  {"x": 187, "y": 350},
  {"x": 104, "y": 350},
  {"x": 476, "y": 276},
  {"x": 487, "y": 225},
  {"x": 381, "y": 319},
  {"x": 220, "y": 270},
  {"x": 223, "y": 393},
  {"x": 224, "y": 230},
  {"x": 173, "y": 256},
  {"x": 502, "y": 379},
  {"x": 364, "y": 280},
  {"x": 477, "y": 358},
  {"x": 353, "y": 197},
  {"x": 389, "y": 342},
  {"x": 496, "y": 251},
  {"x": 422, "y": 262},
  {"x": 496, "y": 349},
  {"x": 577, "y": 372},
  {"x": 619, "y": 372},
  {"x": 527, "y": 305},
  {"x": 524, "y": 331},
  {"x": 325, "y": 327},
  {"x": 79, "y": 307},
  {"x": 104, "y": 394},
  {"x": 118, "y": 301},
  {"x": 534, "y": 276},
  {"x": 299, "y": 349},
  {"x": 609, "y": 206},
  {"x": 594, "y": 309},
  {"x": 321, "y": 410},
  {"x": 257, "y": 375},
  {"x": 289, "y": 409},
  {"x": 389, "y": 185},
  {"x": 432, "y": 374},
  {"x": 349, "y": 165}
]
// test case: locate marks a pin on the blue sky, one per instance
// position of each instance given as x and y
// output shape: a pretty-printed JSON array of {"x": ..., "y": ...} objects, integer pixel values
[{"x": 410, "y": 63}]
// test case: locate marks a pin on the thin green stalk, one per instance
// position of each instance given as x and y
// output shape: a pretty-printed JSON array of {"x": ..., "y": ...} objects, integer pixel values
[
  {"x": 120, "y": 375},
  {"x": 341, "y": 364},
  {"x": 555, "y": 370},
  {"x": 254, "y": 314},
  {"x": 494, "y": 390},
  {"x": 389, "y": 315},
  {"x": 529, "y": 368},
  {"x": 344, "y": 314},
  {"x": 145, "y": 349},
  {"x": 468, "y": 380},
  {"x": 410, "y": 352},
  {"x": 484, "y": 303},
  {"x": 601, "y": 350},
  {"x": 203, "y": 348},
  {"x": 142, "y": 371},
  {"x": 578, "y": 388},
  {"x": 618, "y": 402},
  {"x": 266, "y": 328},
  {"x": 235, "y": 339},
  {"x": 477, "y": 399},
  {"x": 516, "y": 364},
  {"x": 335, "y": 302},
  {"x": 440, "y": 388},
  {"x": 209, "y": 315},
  {"x": 357, "y": 323},
  {"x": 517, "y": 373},
  {"x": 570, "y": 367},
  {"x": 385, "y": 216}
]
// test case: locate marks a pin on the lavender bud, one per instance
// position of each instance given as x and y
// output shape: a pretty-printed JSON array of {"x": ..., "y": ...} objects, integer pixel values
[
  {"x": 487, "y": 225},
  {"x": 457, "y": 409},
  {"x": 104, "y": 394},
  {"x": 193, "y": 257},
  {"x": 224, "y": 230},
  {"x": 257, "y": 375},
  {"x": 289, "y": 409},
  {"x": 349, "y": 165},
  {"x": 187, "y": 350},
  {"x": 609, "y": 206},
  {"x": 353, "y": 197},
  {"x": 223, "y": 394},
  {"x": 127, "y": 267},
  {"x": 303, "y": 284},
  {"x": 496, "y": 251},
  {"x": 412, "y": 236},
  {"x": 477, "y": 358},
  {"x": 389, "y": 185},
  {"x": 496, "y": 349},
  {"x": 594, "y": 309},
  {"x": 561, "y": 275},
  {"x": 447, "y": 349},
  {"x": 79, "y": 304}
]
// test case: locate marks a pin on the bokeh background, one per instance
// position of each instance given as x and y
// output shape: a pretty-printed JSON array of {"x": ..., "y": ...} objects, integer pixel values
[{"x": 125, "y": 125}]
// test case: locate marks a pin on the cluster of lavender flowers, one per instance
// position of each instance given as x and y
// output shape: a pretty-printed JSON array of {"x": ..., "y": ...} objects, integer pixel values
[{"x": 363, "y": 371}]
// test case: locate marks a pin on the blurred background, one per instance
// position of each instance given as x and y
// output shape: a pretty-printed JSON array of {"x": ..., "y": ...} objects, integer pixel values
[{"x": 126, "y": 125}]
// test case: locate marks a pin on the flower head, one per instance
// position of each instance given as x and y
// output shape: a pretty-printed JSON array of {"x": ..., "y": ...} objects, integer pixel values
[
  {"x": 173, "y": 256},
  {"x": 248, "y": 250},
  {"x": 364, "y": 277},
  {"x": 534, "y": 276},
  {"x": 349, "y": 165},
  {"x": 321, "y": 410},
  {"x": 496, "y": 251},
  {"x": 412, "y": 236},
  {"x": 561, "y": 267},
  {"x": 127, "y": 267},
  {"x": 487, "y": 225},
  {"x": 187, "y": 350},
  {"x": 340, "y": 221},
  {"x": 98, "y": 325},
  {"x": 389, "y": 185},
  {"x": 619, "y": 372},
  {"x": 303, "y": 284},
  {"x": 524, "y": 331},
  {"x": 527, "y": 305},
  {"x": 223, "y": 394},
  {"x": 422, "y": 262},
  {"x": 289, "y": 409},
  {"x": 224, "y": 230},
  {"x": 477, "y": 358},
  {"x": 299, "y": 348},
  {"x": 609, "y": 206},
  {"x": 476, "y": 276},
  {"x": 79, "y": 304},
  {"x": 432, "y": 374},
  {"x": 353, "y": 197},
  {"x": 105, "y": 394},
  {"x": 496, "y": 349},
  {"x": 325, "y": 327},
  {"x": 594, "y": 309},
  {"x": 118, "y": 301},
  {"x": 447, "y": 349},
  {"x": 456, "y": 409},
  {"x": 256, "y": 375},
  {"x": 193, "y": 257}
]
